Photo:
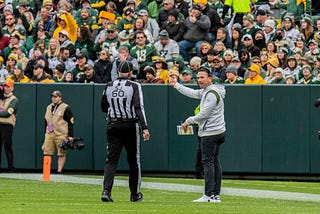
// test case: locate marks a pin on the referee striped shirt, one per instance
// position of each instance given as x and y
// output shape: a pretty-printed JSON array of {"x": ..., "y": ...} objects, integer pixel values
[{"x": 123, "y": 99}]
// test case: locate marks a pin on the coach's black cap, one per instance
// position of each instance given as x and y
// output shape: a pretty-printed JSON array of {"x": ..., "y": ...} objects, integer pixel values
[{"x": 125, "y": 67}]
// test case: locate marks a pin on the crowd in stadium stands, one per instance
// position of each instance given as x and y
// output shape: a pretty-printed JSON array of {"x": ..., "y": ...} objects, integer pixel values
[{"x": 83, "y": 41}]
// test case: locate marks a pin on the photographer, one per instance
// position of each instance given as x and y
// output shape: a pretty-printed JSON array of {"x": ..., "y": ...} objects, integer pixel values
[
  {"x": 8, "y": 110},
  {"x": 58, "y": 127}
]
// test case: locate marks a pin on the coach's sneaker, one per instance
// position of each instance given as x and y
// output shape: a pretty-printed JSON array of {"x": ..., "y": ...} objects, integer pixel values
[
  {"x": 106, "y": 196},
  {"x": 136, "y": 197},
  {"x": 204, "y": 198},
  {"x": 216, "y": 198}
]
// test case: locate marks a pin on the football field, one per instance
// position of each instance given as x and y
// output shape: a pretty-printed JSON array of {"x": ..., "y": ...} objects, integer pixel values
[{"x": 27, "y": 193}]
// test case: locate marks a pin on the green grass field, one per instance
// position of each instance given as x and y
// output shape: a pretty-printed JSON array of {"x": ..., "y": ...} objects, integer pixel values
[{"x": 34, "y": 196}]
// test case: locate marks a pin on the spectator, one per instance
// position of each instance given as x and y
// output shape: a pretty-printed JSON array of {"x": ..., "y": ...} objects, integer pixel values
[
  {"x": 183, "y": 7},
  {"x": 289, "y": 28},
  {"x": 127, "y": 22},
  {"x": 179, "y": 64},
  {"x": 236, "y": 63},
  {"x": 150, "y": 24},
  {"x": 227, "y": 57},
  {"x": 44, "y": 62},
  {"x": 219, "y": 49},
  {"x": 221, "y": 36},
  {"x": 3, "y": 71},
  {"x": 308, "y": 78},
  {"x": 259, "y": 40},
  {"x": 239, "y": 8},
  {"x": 139, "y": 25},
  {"x": 282, "y": 57},
  {"x": 58, "y": 73},
  {"x": 14, "y": 40},
  {"x": 245, "y": 59},
  {"x": 64, "y": 57},
  {"x": 194, "y": 64},
  {"x": 250, "y": 46},
  {"x": 292, "y": 68},
  {"x": 89, "y": 76},
  {"x": 205, "y": 47},
  {"x": 154, "y": 7},
  {"x": 236, "y": 44},
  {"x": 85, "y": 19},
  {"x": 290, "y": 80},
  {"x": 85, "y": 42},
  {"x": 39, "y": 76},
  {"x": 213, "y": 16},
  {"x": 249, "y": 26},
  {"x": 11, "y": 62},
  {"x": 105, "y": 18},
  {"x": 5, "y": 40},
  {"x": 65, "y": 42},
  {"x": 232, "y": 76},
  {"x": 17, "y": 75},
  {"x": 124, "y": 56},
  {"x": 254, "y": 76},
  {"x": 49, "y": 22},
  {"x": 166, "y": 47},
  {"x": 68, "y": 25},
  {"x": 197, "y": 26},
  {"x": 307, "y": 29},
  {"x": 168, "y": 5},
  {"x": 161, "y": 67},
  {"x": 278, "y": 77},
  {"x": 269, "y": 30},
  {"x": 108, "y": 40},
  {"x": 261, "y": 17},
  {"x": 173, "y": 26},
  {"x": 210, "y": 56},
  {"x": 103, "y": 66},
  {"x": 142, "y": 52},
  {"x": 38, "y": 33},
  {"x": 68, "y": 77},
  {"x": 280, "y": 39},
  {"x": 186, "y": 77},
  {"x": 78, "y": 71},
  {"x": 151, "y": 77},
  {"x": 218, "y": 69},
  {"x": 53, "y": 53}
]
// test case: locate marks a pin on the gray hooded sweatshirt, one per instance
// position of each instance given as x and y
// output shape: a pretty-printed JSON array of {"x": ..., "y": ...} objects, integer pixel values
[{"x": 211, "y": 115}]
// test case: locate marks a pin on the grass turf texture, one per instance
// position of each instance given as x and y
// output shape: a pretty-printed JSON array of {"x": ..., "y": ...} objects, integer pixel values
[{"x": 24, "y": 196}]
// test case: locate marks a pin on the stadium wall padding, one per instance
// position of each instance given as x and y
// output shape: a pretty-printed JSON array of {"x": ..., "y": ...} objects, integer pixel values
[{"x": 270, "y": 129}]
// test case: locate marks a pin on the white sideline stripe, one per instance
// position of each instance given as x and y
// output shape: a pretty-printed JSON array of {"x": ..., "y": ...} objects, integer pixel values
[{"x": 174, "y": 187}]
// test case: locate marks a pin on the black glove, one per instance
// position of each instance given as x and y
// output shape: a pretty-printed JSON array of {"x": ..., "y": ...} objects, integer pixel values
[{"x": 317, "y": 102}]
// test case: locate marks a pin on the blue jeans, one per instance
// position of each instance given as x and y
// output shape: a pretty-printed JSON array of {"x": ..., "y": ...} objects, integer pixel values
[
  {"x": 210, "y": 147},
  {"x": 185, "y": 46}
]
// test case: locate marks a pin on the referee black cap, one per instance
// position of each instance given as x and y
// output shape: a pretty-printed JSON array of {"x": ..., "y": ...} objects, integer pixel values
[{"x": 125, "y": 67}]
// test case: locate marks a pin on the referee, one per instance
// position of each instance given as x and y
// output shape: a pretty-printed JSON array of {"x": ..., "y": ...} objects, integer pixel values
[{"x": 122, "y": 100}]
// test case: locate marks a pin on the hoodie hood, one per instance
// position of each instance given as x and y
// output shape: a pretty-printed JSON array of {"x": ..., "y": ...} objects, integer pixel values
[{"x": 219, "y": 88}]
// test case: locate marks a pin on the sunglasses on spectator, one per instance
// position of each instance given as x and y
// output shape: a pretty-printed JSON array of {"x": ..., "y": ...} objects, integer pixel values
[
  {"x": 9, "y": 19},
  {"x": 61, "y": 35},
  {"x": 10, "y": 59},
  {"x": 256, "y": 62},
  {"x": 175, "y": 62},
  {"x": 110, "y": 31},
  {"x": 246, "y": 39},
  {"x": 140, "y": 37}
]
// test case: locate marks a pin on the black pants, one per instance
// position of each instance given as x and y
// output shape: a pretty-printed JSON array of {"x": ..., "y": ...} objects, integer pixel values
[
  {"x": 125, "y": 134},
  {"x": 210, "y": 147},
  {"x": 6, "y": 139}
]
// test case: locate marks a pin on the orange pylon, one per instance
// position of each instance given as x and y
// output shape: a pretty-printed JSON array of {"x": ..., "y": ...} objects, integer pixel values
[{"x": 46, "y": 168}]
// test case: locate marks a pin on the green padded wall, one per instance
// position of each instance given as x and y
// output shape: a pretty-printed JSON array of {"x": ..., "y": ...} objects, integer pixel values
[
  {"x": 242, "y": 150},
  {"x": 314, "y": 128},
  {"x": 286, "y": 125}
]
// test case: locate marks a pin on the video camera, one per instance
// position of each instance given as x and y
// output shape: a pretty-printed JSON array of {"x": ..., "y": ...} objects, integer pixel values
[{"x": 66, "y": 144}]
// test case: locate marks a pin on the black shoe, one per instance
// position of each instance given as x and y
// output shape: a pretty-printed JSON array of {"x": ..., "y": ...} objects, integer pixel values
[
  {"x": 106, "y": 196},
  {"x": 136, "y": 197}
]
